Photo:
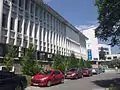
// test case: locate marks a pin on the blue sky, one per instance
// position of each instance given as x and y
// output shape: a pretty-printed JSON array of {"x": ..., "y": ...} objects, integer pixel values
[{"x": 80, "y": 13}]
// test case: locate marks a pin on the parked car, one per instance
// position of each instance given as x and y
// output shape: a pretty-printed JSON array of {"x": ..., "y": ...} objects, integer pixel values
[
  {"x": 96, "y": 71},
  {"x": 87, "y": 72},
  {"x": 74, "y": 73},
  {"x": 47, "y": 78},
  {"x": 11, "y": 81}
]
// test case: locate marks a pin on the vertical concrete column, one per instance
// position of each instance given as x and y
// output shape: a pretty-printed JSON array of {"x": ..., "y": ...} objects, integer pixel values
[
  {"x": 28, "y": 29},
  {"x": 33, "y": 31},
  {"x": 9, "y": 22},
  {"x": 1, "y": 12},
  {"x": 23, "y": 24},
  {"x": 38, "y": 37}
]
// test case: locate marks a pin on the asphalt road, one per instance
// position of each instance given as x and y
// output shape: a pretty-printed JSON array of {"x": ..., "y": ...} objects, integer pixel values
[{"x": 96, "y": 82}]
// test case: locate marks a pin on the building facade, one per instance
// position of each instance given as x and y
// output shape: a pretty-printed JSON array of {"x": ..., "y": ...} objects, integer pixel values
[
  {"x": 112, "y": 57},
  {"x": 32, "y": 21},
  {"x": 91, "y": 44}
]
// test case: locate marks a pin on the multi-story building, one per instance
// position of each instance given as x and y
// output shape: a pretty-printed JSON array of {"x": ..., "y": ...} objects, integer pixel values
[
  {"x": 91, "y": 44},
  {"x": 93, "y": 47},
  {"x": 26, "y": 21}
]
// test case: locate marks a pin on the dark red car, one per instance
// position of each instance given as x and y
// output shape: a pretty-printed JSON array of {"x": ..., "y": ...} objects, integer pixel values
[
  {"x": 47, "y": 78},
  {"x": 87, "y": 72},
  {"x": 74, "y": 73}
]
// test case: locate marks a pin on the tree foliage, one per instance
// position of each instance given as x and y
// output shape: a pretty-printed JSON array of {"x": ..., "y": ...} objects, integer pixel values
[
  {"x": 109, "y": 21},
  {"x": 114, "y": 63},
  {"x": 11, "y": 53},
  {"x": 29, "y": 64}
]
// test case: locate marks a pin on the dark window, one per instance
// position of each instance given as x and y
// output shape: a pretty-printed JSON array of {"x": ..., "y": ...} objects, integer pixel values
[
  {"x": 109, "y": 58},
  {"x": 19, "y": 26},
  {"x": 4, "y": 21},
  {"x": 31, "y": 27},
  {"x": 32, "y": 8},
  {"x": 36, "y": 27},
  {"x": 12, "y": 23},
  {"x": 27, "y": 4},
  {"x": 21, "y": 2},
  {"x": 14, "y": 1},
  {"x": 25, "y": 26},
  {"x": 114, "y": 57}
]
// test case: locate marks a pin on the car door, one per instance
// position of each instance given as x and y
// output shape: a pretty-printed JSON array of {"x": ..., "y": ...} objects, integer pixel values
[
  {"x": 56, "y": 76},
  {"x": 7, "y": 81}
]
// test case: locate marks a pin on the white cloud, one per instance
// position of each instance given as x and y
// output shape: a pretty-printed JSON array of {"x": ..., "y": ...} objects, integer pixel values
[{"x": 83, "y": 27}]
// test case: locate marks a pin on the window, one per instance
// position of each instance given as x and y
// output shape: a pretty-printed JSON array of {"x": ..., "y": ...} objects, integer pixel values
[
  {"x": 25, "y": 26},
  {"x": 31, "y": 27},
  {"x": 114, "y": 57},
  {"x": 4, "y": 21},
  {"x": 14, "y": 1},
  {"x": 27, "y": 2},
  {"x": 109, "y": 58},
  {"x": 21, "y": 3},
  {"x": 32, "y": 8},
  {"x": 36, "y": 27},
  {"x": 36, "y": 11},
  {"x": 12, "y": 23},
  {"x": 44, "y": 33},
  {"x": 19, "y": 26}
]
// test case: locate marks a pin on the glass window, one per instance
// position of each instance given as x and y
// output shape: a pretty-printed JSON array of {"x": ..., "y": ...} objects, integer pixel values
[
  {"x": 26, "y": 26},
  {"x": 109, "y": 58},
  {"x": 44, "y": 34},
  {"x": 36, "y": 27},
  {"x": 12, "y": 23},
  {"x": 14, "y": 1},
  {"x": 21, "y": 3},
  {"x": 32, "y": 8},
  {"x": 19, "y": 26},
  {"x": 27, "y": 2},
  {"x": 4, "y": 20},
  {"x": 114, "y": 57},
  {"x": 31, "y": 28}
]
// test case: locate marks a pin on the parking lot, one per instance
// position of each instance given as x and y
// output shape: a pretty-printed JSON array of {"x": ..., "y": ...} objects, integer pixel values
[{"x": 96, "y": 82}]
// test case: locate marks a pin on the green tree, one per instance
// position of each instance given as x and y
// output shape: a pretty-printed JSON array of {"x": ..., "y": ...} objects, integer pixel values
[
  {"x": 115, "y": 63},
  {"x": 57, "y": 61},
  {"x": 74, "y": 62},
  {"x": 109, "y": 21},
  {"x": 29, "y": 63},
  {"x": 11, "y": 53},
  {"x": 81, "y": 63}
]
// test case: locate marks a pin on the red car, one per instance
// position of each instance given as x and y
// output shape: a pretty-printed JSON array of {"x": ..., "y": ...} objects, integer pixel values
[
  {"x": 87, "y": 72},
  {"x": 74, "y": 73},
  {"x": 47, "y": 78}
]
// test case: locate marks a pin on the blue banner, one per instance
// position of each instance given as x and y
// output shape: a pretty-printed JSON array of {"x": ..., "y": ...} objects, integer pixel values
[{"x": 89, "y": 54}]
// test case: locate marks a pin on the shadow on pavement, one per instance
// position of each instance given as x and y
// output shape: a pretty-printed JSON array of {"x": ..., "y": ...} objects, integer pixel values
[{"x": 107, "y": 83}]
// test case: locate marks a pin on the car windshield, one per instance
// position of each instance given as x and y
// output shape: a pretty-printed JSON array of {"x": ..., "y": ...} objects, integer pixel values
[
  {"x": 72, "y": 70},
  {"x": 46, "y": 72}
]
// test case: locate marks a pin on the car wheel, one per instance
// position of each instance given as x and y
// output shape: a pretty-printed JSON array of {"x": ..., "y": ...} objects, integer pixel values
[
  {"x": 19, "y": 87},
  {"x": 62, "y": 80},
  {"x": 49, "y": 83}
]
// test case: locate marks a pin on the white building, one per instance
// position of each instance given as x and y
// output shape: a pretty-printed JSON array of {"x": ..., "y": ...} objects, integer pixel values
[
  {"x": 91, "y": 44},
  {"x": 26, "y": 21},
  {"x": 112, "y": 57}
]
